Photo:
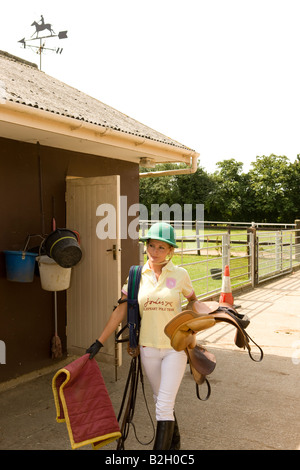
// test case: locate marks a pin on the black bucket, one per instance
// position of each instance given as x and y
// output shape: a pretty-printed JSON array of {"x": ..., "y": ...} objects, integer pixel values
[
  {"x": 216, "y": 273},
  {"x": 62, "y": 245}
]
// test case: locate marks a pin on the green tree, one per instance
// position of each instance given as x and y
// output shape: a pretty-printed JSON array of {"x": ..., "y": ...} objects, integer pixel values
[
  {"x": 269, "y": 192},
  {"x": 157, "y": 190},
  {"x": 177, "y": 189},
  {"x": 269, "y": 180},
  {"x": 193, "y": 189},
  {"x": 229, "y": 198},
  {"x": 292, "y": 210}
]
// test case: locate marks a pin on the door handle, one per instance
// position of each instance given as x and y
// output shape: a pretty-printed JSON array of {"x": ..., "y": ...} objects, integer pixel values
[{"x": 114, "y": 251}]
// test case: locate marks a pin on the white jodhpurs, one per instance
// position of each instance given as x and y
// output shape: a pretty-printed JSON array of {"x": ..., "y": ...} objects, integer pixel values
[{"x": 164, "y": 369}]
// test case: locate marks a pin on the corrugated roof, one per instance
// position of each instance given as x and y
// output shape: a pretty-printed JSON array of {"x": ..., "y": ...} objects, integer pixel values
[{"x": 25, "y": 84}]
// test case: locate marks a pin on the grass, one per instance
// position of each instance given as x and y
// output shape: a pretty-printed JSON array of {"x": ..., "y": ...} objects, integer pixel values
[{"x": 199, "y": 267}]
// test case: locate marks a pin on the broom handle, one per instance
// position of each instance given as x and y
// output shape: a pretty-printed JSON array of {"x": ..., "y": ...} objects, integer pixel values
[
  {"x": 53, "y": 214},
  {"x": 55, "y": 311},
  {"x": 55, "y": 293}
]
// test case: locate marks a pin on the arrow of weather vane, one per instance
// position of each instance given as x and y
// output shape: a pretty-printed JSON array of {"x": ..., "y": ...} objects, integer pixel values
[{"x": 42, "y": 26}]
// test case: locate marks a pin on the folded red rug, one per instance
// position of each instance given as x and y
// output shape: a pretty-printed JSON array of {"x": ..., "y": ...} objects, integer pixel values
[{"x": 83, "y": 403}]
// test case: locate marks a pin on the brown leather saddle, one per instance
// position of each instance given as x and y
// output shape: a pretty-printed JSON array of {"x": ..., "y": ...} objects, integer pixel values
[{"x": 199, "y": 316}]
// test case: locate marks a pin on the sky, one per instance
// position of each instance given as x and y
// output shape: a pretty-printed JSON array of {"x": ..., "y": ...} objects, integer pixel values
[{"x": 219, "y": 76}]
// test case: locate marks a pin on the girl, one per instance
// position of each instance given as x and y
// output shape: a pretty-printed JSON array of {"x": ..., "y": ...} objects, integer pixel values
[{"x": 161, "y": 286}]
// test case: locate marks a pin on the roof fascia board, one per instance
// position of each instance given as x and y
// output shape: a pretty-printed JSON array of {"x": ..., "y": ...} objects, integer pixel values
[{"x": 35, "y": 118}]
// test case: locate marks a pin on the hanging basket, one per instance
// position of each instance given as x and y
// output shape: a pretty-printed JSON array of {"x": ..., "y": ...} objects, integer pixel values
[
  {"x": 20, "y": 265},
  {"x": 53, "y": 277}
]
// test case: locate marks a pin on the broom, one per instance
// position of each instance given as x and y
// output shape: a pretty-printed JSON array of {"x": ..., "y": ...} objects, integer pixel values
[{"x": 56, "y": 348}]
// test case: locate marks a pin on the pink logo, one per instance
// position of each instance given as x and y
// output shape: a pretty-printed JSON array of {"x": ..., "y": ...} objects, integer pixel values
[{"x": 170, "y": 282}]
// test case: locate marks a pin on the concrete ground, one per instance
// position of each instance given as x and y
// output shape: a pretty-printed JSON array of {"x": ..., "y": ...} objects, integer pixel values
[{"x": 253, "y": 406}]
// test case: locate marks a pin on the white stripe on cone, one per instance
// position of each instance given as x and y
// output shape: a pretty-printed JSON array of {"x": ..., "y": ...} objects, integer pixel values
[{"x": 226, "y": 295}]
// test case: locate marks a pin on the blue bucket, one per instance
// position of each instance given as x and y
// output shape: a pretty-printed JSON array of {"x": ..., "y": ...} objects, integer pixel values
[{"x": 20, "y": 265}]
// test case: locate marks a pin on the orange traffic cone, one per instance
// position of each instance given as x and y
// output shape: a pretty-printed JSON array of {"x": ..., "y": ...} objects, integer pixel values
[{"x": 226, "y": 295}]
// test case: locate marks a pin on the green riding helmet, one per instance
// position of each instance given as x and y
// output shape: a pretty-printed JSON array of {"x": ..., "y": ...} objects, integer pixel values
[{"x": 161, "y": 231}]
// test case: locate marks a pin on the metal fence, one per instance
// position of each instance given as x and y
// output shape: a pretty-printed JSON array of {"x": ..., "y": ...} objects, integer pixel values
[
  {"x": 276, "y": 253},
  {"x": 253, "y": 253}
]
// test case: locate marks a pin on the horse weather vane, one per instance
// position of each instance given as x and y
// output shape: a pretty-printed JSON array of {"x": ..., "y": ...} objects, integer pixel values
[{"x": 42, "y": 26}]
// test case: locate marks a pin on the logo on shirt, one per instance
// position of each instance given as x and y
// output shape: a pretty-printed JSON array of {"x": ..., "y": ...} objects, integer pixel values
[
  {"x": 170, "y": 282},
  {"x": 158, "y": 303}
]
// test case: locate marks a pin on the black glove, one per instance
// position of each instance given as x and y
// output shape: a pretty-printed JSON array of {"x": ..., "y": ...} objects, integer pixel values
[{"x": 94, "y": 349}]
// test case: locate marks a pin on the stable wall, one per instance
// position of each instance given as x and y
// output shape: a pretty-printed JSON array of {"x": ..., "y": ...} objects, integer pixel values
[{"x": 31, "y": 178}]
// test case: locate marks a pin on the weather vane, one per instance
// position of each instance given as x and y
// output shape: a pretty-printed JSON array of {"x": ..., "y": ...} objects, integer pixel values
[{"x": 42, "y": 26}]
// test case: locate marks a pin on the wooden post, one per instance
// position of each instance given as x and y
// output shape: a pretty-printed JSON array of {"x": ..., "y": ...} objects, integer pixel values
[
  {"x": 249, "y": 240},
  {"x": 255, "y": 257},
  {"x": 252, "y": 251}
]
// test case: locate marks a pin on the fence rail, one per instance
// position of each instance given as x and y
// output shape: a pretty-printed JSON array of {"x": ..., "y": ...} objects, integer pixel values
[{"x": 253, "y": 254}]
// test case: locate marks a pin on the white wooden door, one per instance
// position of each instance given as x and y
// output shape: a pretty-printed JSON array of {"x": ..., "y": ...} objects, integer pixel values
[{"x": 93, "y": 210}]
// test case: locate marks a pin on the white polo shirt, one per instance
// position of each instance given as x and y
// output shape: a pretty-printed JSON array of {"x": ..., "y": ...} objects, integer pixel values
[{"x": 159, "y": 301}]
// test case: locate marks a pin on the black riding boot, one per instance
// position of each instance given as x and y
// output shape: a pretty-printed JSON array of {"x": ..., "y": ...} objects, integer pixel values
[
  {"x": 164, "y": 434},
  {"x": 175, "y": 444}
]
